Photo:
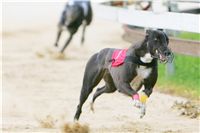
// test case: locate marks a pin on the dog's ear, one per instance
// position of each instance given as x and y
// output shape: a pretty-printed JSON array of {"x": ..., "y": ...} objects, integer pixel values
[
  {"x": 148, "y": 32},
  {"x": 167, "y": 39},
  {"x": 160, "y": 29}
]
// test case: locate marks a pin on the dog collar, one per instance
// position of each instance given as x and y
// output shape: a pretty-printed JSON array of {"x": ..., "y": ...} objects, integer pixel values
[{"x": 136, "y": 60}]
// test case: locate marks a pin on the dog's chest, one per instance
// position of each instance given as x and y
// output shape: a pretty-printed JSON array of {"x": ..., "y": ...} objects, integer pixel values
[{"x": 143, "y": 71}]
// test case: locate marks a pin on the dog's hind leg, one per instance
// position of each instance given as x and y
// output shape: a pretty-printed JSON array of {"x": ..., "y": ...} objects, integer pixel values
[
  {"x": 86, "y": 90},
  {"x": 83, "y": 33},
  {"x": 105, "y": 89},
  {"x": 83, "y": 97},
  {"x": 98, "y": 92},
  {"x": 92, "y": 77},
  {"x": 58, "y": 36},
  {"x": 67, "y": 43}
]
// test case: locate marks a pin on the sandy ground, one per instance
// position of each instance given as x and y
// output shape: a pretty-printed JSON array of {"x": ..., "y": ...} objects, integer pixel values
[{"x": 39, "y": 88}]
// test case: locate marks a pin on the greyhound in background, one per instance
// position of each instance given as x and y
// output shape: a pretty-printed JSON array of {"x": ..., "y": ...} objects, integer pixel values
[
  {"x": 140, "y": 60},
  {"x": 76, "y": 13}
]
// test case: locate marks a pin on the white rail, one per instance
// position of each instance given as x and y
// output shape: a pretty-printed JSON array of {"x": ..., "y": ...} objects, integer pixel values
[{"x": 165, "y": 20}]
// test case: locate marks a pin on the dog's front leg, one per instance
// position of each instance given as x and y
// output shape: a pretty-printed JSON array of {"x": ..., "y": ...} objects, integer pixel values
[
  {"x": 143, "y": 98},
  {"x": 148, "y": 85},
  {"x": 150, "y": 82},
  {"x": 126, "y": 89}
]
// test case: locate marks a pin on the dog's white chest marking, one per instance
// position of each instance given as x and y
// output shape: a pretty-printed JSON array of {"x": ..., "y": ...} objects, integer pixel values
[
  {"x": 143, "y": 71},
  {"x": 146, "y": 58}
]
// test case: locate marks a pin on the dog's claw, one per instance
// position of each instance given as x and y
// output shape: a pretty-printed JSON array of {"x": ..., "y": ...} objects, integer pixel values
[
  {"x": 143, "y": 110},
  {"x": 82, "y": 41},
  {"x": 137, "y": 103},
  {"x": 75, "y": 120},
  {"x": 141, "y": 116},
  {"x": 92, "y": 107}
]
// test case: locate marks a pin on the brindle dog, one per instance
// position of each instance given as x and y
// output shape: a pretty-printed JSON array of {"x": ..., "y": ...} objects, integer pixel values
[{"x": 141, "y": 59}]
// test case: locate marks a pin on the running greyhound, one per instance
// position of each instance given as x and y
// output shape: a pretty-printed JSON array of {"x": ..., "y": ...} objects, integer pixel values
[
  {"x": 75, "y": 13},
  {"x": 120, "y": 70}
]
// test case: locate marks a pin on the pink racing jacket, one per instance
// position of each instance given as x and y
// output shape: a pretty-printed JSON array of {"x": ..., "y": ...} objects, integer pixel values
[{"x": 118, "y": 57}]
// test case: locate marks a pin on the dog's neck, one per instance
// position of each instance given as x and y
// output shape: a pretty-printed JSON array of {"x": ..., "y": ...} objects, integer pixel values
[
  {"x": 141, "y": 51},
  {"x": 146, "y": 58}
]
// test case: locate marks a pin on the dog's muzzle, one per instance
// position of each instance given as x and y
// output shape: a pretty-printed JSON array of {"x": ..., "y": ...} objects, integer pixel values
[{"x": 164, "y": 57}]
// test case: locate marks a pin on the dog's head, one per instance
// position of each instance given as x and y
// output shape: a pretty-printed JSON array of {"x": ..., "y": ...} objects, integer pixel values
[{"x": 157, "y": 44}]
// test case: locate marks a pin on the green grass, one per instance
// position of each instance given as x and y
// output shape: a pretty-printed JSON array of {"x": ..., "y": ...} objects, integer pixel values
[
  {"x": 189, "y": 35},
  {"x": 185, "y": 80}
]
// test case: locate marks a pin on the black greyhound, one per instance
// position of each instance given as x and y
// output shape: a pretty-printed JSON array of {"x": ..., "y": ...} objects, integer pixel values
[
  {"x": 140, "y": 60},
  {"x": 75, "y": 14}
]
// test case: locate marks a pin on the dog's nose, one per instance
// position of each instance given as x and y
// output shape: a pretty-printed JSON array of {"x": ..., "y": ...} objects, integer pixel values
[{"x": 167, "y": 53}]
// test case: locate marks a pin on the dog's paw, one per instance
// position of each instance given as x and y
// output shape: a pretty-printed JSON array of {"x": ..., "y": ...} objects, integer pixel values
[
  {"x": 39, "y": 54},
  {"x": 137, "y": 103},
  {"x": 82, "y": 41},
  {"x": 56, "y": 44},
  {"x": 143, "y": 110},
  {"x": 58, "y": 55},
  {"x": 52, "y": 50}
]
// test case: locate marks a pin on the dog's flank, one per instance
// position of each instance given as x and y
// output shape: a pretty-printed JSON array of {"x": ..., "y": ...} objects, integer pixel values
[{"x": 140, "y": 60}]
